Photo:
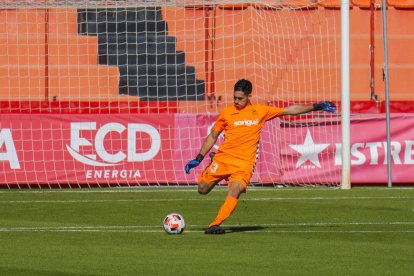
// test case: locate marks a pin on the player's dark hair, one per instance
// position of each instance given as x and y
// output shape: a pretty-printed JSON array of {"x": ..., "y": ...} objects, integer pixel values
[{"x": 244, "y": 86}]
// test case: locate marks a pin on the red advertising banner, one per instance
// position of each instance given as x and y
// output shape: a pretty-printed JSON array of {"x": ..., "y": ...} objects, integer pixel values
[
  {"x": 320, "y": 161},
  {"x": 369, "y": 149},
  {"x": 140, "y": 149},
  {"x": 61, "y": 149}
]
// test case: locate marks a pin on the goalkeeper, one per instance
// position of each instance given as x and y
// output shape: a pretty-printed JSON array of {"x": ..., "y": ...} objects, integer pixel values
[{"x": 235, "y": 158}]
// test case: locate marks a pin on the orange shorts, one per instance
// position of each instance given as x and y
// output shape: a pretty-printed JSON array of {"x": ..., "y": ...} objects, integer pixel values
[{"x": 224, "y": 166}]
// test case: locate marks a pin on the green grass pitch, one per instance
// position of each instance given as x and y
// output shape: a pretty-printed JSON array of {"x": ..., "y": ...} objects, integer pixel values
[{"x": 363, "y": 231}]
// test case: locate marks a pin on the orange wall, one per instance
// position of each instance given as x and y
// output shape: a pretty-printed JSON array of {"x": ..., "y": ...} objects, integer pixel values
[
  {"x": 42, "y": 60},
  {"x": 262, "y": 45},
  {"x": 247, "y": 43}
]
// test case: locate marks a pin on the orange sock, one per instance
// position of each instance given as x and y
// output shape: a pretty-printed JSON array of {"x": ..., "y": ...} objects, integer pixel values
[{"x": 225, "y": 211}]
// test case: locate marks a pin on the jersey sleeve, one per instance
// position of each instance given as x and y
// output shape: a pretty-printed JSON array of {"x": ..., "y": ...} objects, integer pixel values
[
  {"x": 221, "y": 122},
  {"x": 272, "y": 112}
]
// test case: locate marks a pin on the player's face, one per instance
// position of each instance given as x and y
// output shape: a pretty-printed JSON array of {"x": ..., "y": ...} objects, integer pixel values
[{"x": 240, "y": 100}]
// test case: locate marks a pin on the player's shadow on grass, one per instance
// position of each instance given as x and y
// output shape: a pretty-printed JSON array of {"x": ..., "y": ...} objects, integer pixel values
[{"x": 252, "y": 228}]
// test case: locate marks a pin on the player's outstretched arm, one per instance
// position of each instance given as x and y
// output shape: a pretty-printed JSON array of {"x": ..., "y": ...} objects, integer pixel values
[
  {"x": 305, "y": 108},
  {"x": 209, "y": 142}
]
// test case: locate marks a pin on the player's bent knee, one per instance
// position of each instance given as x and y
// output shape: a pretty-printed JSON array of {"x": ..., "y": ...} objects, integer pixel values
[
  {"x": 202, "y": 192},
  {"x": 202, "y": 189}
]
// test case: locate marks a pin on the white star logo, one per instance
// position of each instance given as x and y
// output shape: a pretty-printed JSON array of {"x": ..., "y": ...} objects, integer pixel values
[{"x": 309, "y": 151}]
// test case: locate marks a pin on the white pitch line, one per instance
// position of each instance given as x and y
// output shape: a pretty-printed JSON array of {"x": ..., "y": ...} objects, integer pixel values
[
  {"x": 157, "y": 228},
  {"x": 200, "y": 231},
  {"x": 329, "y": 231},
  {"x": 323, "y": 224},
  {"x": 329, "y": 198},
  {"x": 115, "y": 190},
  {"x": 99, "y": 200},
  {"x": 83, "y": 230},
  {"x": 203, "y": 199}
]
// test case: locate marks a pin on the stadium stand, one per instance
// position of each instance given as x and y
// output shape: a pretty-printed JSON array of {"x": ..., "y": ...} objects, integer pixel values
[
  {"x": 401, "y": 4},
  {"x": 236, "y": 6},
  {"x": 332, "y": 4},
  {"x": 137, "y": 41}
]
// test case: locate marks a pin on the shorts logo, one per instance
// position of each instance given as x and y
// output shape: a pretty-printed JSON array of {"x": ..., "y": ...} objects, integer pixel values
[
  {"x": 246, "y": 122},
  {"x": 213, "y": 167}
]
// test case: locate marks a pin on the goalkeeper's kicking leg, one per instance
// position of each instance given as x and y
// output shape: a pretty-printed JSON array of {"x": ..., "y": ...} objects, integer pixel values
[
  {"x": 236, "y": 173},
  {"x": 236, "y": 188}
]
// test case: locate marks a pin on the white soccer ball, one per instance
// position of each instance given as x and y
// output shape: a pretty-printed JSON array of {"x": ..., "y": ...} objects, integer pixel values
[{"x": 174, "y": 223}]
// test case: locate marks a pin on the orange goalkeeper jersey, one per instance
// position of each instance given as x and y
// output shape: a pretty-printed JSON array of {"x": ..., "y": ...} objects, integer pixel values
[{"x": 242, "y": 129}]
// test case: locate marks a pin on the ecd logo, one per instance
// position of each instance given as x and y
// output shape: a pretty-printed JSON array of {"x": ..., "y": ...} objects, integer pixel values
[{"x": 107, "y": 158}]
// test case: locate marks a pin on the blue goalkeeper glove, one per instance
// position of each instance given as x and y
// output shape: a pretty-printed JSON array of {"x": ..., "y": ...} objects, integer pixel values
[
  {"x": 194, "y": 163},
  {"x": 325, "y": 106}
]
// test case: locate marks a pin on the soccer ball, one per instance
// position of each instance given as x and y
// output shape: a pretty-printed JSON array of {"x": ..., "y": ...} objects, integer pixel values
[{"x": 174, "y": 223}]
